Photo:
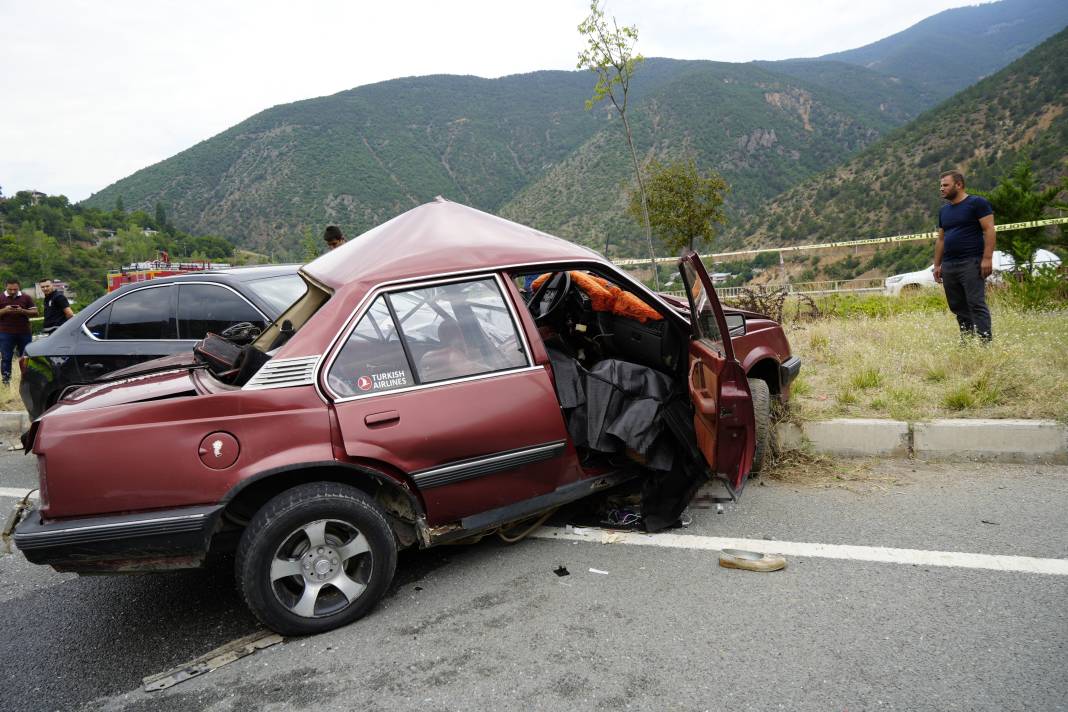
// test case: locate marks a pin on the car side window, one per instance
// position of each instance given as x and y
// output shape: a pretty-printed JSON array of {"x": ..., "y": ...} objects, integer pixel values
[
  {"x": 702, "y": 314},
  {"x": 98, "y": 325},
  {"x": 372, "y": 359},
  {"x": 146, "y": 314},
  {"x": 457, "y": 330},
  {"x": 209, "y": 307}
]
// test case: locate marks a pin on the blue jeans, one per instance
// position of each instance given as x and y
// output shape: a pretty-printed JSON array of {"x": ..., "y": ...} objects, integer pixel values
[
  {"x": 8, "y": 344},
  {"x": 966, "y": 295}
]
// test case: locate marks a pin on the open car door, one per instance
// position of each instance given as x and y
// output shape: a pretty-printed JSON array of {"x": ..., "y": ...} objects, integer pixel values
[{"x": 719, "y": 390}]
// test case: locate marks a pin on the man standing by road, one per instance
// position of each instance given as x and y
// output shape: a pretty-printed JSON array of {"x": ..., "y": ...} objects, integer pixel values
[
  {"x": 16, "y": 309},
  {"x": 333, "y": 237},
  {"x": 56, "y": 307},
  {"x": 964, "y": 254}
]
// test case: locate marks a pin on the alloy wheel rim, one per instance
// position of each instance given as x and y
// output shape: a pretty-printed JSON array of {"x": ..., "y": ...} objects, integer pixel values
[{"x": 321, "y": 568}]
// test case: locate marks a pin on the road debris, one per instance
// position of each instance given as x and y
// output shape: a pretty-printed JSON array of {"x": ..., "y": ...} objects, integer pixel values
[
  {"x": 598, "y": 571},
  {"x": 751, "y": 560},
  {"x": 561, "y": 571},
  {"x": 234, "y": 650}
]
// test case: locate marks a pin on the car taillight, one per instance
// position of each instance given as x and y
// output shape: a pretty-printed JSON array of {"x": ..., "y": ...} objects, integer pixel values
[
  {"x": 42, "y": 482},
  {"x": 22, "y": 365}
]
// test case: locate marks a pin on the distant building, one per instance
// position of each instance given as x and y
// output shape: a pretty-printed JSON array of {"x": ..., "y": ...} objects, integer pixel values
[
  {"x": 149, "y": 231},
  {"x": 721, "y": 277}
]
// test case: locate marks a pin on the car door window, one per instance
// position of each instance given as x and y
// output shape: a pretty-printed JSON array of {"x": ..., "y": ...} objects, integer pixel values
[
  {"x": 146, "y": 314},
  {"x": 457, "y": 330},
  {"x": 209, "y": 307},
  {"x": 98, "y": 325},
  {"x": 372, "y": 359},
  {"x": 702, "y": 313}
]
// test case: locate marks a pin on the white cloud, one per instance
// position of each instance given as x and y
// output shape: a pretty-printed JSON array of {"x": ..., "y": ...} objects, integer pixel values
[{"x": 94, "y": 91}]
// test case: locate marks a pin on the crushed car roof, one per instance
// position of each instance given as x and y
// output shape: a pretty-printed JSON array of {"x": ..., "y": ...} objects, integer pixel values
[{"x": 439, "y": 237}]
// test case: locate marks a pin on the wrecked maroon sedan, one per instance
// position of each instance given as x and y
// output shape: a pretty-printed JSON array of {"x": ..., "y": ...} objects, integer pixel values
[{"x": 446, "y": 375}]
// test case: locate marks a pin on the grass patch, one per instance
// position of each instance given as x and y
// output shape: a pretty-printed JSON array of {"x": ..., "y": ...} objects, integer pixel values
[
  {"x": 865, "y": 379},
  {"x": 908, "y": 363}
]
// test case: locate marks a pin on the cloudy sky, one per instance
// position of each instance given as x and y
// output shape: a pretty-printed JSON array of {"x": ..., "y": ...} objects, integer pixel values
[{"x": 91, "y": 91}]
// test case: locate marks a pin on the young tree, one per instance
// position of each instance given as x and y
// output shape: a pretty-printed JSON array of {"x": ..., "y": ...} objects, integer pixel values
[
  {"x": 161, "y": 217},
  {"x": 609, "y": 53},
  {"x": 683, "y": 205},
  {"x": 1017, "y": 198},
  {"x": 309, "y": 245}
]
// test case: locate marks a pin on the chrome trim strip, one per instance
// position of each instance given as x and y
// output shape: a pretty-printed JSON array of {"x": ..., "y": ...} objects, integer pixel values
[
  {"x": 322, "y": 383},
  {"x": 486, "y": 465},
  {"x": 86, "y": 331}
]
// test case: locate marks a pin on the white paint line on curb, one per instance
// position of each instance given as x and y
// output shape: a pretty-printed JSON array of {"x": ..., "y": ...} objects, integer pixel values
[
  {"x": 880, "y": 554},
  {"x": 14, "y": 492}
]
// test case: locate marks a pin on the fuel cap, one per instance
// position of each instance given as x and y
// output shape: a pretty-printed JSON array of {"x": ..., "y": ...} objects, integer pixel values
[{"x": 219, "y": 450}]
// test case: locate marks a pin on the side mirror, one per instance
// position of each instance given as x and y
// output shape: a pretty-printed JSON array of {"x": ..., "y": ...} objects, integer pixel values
[{"x": 735, "y": 324}]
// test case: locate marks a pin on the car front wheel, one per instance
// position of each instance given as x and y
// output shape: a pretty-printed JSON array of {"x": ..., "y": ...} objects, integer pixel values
[
  {"x": 314, "y": 558},
  {"x": 764, "y": 427}
]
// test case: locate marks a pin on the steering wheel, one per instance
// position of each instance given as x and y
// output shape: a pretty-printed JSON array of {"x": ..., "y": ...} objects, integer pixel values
[{"x": 548, "y": 298}]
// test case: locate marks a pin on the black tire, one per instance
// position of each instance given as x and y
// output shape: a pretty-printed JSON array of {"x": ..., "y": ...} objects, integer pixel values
[
  {"x": 279, "y": 567},
  {"x": 764, "y": 428}
]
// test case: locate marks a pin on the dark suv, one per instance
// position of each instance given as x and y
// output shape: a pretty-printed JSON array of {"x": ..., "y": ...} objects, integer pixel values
[{"x": 147, "y": 320}]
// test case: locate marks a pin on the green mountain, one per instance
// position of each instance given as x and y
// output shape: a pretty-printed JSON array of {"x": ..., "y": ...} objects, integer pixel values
[
  {"x": 955, "y": 48},
  {"x": 892, "y": 187},
  {"x": 507, "y": 145},
  {"x": 524, "y": 147}
]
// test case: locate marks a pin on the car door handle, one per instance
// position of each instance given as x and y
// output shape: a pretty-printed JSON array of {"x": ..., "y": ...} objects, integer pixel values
[{"x": 387, "y": 417}]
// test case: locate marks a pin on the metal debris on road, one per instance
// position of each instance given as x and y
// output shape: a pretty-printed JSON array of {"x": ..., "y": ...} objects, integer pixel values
[
  {"x": 561, "y": 571},
  {"x": 598, "y": 571},
  {"x": 751, "y": 560},
  {"x": 234, "y": 650}
]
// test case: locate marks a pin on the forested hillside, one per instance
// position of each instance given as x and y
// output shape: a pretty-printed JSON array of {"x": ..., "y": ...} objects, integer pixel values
[
  {"x": 523, "y": 146},
  {"x": 892, "y": 187},
  {"x": 359, "y": 157},
  {"x": 955, "y": 48},
  {"x": 45, "y": 237}
]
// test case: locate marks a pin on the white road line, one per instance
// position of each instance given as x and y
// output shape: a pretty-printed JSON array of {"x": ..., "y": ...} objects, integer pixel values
[
  {"x": 15, "y": 492},
  {"x": 882, "y": 554}
]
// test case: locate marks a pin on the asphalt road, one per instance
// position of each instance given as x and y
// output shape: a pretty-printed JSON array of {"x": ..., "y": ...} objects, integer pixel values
[{"x": 490, "y": 626}]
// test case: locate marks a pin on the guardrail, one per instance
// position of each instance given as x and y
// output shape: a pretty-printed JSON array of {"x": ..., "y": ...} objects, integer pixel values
[{"x": 874, "y": 284}]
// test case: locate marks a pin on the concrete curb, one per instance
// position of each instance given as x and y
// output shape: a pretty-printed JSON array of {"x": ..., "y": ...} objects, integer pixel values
[
  {"x": 14, "y": 421},
  {"x": 960, "y": 439}
]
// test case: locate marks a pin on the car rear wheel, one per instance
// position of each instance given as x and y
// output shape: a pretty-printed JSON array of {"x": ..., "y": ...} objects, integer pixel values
[
  {"x": 314, "y": 558},
  {"x": 764, "y": 429}
]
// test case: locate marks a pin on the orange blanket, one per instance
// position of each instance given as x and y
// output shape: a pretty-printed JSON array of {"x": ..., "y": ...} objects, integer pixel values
[{"x": 607, "y": 297}]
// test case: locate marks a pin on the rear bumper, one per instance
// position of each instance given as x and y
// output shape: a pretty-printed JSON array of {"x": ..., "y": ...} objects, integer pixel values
[
  {"x": 788, "y": 371},
  {"x": 146, "y": 541}
]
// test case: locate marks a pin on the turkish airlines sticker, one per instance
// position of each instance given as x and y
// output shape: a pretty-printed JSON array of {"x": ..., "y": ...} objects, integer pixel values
[{"x": 364, "y": 383}]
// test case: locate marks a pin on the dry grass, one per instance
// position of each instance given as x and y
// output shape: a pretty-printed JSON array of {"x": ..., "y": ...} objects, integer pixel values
[
  {"x": 798, "y": 467},
  {"x": 912, "y": 366},
  {"x": 9, "y": 395}
]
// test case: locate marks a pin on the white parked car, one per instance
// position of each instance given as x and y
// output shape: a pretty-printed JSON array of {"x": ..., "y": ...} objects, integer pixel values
[{"x": 912, "y": 281}]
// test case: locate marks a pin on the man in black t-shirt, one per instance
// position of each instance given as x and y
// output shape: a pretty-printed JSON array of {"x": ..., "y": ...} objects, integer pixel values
[
  {"x": 56, "y": 307},
  {"x": 964, "y": 254}
]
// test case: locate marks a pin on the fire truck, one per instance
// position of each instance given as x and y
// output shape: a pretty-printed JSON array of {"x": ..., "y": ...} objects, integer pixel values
[{"x": 161, "y": 267}]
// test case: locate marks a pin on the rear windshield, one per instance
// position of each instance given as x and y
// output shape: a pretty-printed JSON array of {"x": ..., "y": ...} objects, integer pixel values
[{"x": 279, "y": 292}]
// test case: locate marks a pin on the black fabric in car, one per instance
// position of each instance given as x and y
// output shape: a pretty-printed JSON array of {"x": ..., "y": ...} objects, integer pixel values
[{"x": 614, "y": 406}]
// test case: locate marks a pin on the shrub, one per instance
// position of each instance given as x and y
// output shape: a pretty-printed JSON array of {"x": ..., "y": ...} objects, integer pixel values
[{"x": 1044, "y": 290}]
